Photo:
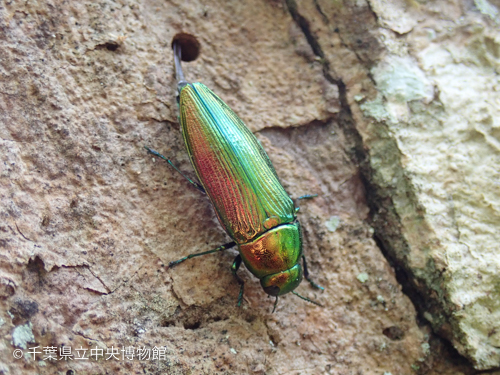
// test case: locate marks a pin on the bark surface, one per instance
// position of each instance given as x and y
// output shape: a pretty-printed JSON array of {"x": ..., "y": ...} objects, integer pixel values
[{"x": 346, "y": 98}]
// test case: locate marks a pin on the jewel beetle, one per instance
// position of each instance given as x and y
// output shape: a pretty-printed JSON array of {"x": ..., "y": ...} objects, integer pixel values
[{"x": 243, "y": 187}]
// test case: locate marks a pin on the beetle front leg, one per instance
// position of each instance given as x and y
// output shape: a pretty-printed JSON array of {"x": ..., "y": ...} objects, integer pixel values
[
  {"x": 234, "y": 268},
  {"x": 194, "y": 183},
  {"x": 306, "y": 275},
  {"x": 220, "y": 248},
  {"x": 305, "y": 196}
]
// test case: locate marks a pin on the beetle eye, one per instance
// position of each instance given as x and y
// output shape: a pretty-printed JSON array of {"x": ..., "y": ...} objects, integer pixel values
[{"x": 272, "y": 290}]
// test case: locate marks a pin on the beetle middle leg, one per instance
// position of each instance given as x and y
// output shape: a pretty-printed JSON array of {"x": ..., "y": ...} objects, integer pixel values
[
  {"x": 197, "y": 185},
  {"x": 306, "y": 275},
  {"x": 220, "y": 248},
  {"x": 234, "y": 268}
]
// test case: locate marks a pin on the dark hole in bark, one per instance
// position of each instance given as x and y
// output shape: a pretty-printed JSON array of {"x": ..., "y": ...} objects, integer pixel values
[
  {"x": 111, "y": 46},
  {"x": 394, "y": 333},
  {"x": 167, "y": 324},
  {"x": 190, "y": 47},
  {"x": 192, "y": 325},
  {"x": 24, "y": 308}
]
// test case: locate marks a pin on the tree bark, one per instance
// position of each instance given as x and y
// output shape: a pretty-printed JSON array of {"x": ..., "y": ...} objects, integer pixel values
[{"x": 363, "y": 103}]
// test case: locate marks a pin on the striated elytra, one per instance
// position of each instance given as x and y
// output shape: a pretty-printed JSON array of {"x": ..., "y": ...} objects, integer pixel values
[{"x": 238, "y": 177}]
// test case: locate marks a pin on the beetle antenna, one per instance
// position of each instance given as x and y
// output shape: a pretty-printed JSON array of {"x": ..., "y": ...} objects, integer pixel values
[
  {"x": 275, "y": 304},
  {"x": 179, "y": 74},
  {"x": 307, "y": 299}
]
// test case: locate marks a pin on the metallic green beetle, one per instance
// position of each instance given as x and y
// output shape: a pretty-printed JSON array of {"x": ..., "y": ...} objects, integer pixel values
[{"x": 238, "y": 177}]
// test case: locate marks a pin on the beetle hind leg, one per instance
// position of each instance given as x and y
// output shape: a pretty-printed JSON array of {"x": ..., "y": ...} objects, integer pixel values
[
  {"x": 306, "y": 275},
  {"x": 197, "y": 185},
  {"x": 234, "y": 268}
]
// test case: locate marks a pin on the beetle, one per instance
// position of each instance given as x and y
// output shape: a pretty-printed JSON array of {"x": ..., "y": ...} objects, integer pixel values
[{"x": 243, "y": 187}]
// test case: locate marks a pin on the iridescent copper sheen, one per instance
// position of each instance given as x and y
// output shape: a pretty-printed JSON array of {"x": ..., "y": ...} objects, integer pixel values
[
  {"x": 274, "y": 251},
  {"x": 242, "y": 184}
]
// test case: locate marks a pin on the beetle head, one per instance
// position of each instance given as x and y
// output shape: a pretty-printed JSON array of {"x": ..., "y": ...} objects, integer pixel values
[{"x": 283, "y": 282}]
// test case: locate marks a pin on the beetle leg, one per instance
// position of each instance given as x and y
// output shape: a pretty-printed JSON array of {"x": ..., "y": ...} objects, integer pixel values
[
  {"x": 275, "y": 304},
  {"x": 194, "y": 183},
  {"x": 306, "y": 275},
  {"x": 234, "y": 268},
  {"x": 307, "y": 196},
  {"x": 307, "y": 299},
  {"x": 220, "y": 248}
]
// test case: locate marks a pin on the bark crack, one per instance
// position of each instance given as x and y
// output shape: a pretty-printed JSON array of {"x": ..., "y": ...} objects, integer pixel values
[
  {"x": 380, "y": 199},
  {"x": 303, "y": 125},
  {"x": 102, "y": 282},
  {"x": 345, "y": 115},
  {"x": 320, "y": 11},
  {"x": 22, "y": 235},
  {"x": 71, "y": 330}
]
